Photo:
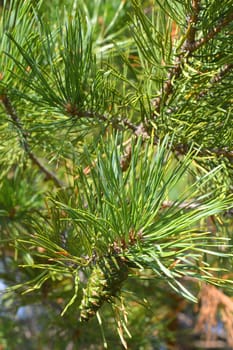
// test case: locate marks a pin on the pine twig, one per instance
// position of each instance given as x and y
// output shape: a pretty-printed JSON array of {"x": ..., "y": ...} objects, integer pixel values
[
  {"x": 191, "y": 28},
  {"x": 225, "y": 152},
  {"x": 213, "y": 32},
  {"x": 117, "y": 123},
  {"x": 221, "y": 152},
  {"x": 190, "y": 45},
  {"x": 24, "y": 141},
  {"x": 176, "y": 70},
  {"x": 216, "y": 79}
]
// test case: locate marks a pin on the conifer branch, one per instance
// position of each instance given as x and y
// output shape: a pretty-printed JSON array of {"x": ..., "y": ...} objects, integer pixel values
[
  {"x": 216, "y": 79},
  {"x": 224, "y": 152},
  {"x": 167, "y": 87},
  {"x": 220, "y": 152},
  {"x": 191, "y": 28},
  {"x": 117, "y": 217},
  {"x": 24, "y": 140},
  {"x": 116, "y": 123},
  {"x": 176, "y": 70},
  {"x": 213, "y": 32},
  {"x": 226, "y": 68},
  {"x": 190, "y": 45}
]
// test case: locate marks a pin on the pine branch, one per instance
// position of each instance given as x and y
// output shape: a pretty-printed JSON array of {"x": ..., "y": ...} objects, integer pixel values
[
  {"x": 213, "y": 32},
  {"x": 177, "y": 69},
  {"x": 190, "y": 45},
  {"x": 25, "y": 143},
  {"x": 222, "y": 73},
  {"x": 225, "y": 152},
  {"x": 216, "y": 79},
  {"x": 167, "y": 89},
  {"x": 117, "y": 123},
  {"x": 220, "y": 152},
  {"x": 191, "y": 28}
]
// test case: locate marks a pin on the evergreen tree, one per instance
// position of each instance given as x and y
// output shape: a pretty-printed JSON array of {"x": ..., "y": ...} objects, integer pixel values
[{"x": 116, "y": 174}]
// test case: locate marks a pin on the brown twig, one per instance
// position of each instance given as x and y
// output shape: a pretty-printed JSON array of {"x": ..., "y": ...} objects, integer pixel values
[
  {"x": 191, "y": 28},
  {"x": 224, "y": 70},
  {"x": 116, "y": 123},
  {"x": 223, "y": 152},
  {"x": 167, "y": 87},
  {"x": 24, "y": 140},
  {"x": 176, "y": 70},
  {"x": 190, "y": 45},
  {"x": 215, "y": 79},
  {"x": 213, "y": 32}
]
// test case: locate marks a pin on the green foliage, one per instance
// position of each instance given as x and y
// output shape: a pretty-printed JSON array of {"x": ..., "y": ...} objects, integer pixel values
[{"x": 116, "y": 164}]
